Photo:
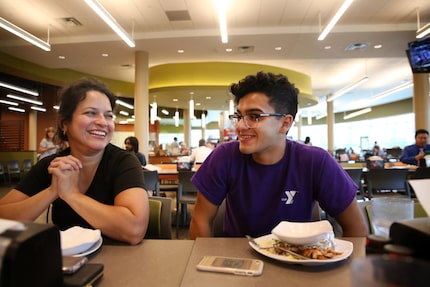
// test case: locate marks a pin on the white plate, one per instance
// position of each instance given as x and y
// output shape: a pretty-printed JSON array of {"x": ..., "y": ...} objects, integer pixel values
[
  {"x": 92, "y": 249},
  {"x": 343, "y": 246},
  {"x": 78, "y": 239}
]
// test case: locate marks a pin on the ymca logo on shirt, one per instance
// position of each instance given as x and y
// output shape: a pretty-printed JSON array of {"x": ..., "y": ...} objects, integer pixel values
[{"x": 289, "y": 199}]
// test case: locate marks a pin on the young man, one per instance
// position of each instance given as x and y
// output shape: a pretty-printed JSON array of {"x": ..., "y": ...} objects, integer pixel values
[
  {"x": 413, "y": 154},
  {"x": 266, "y": 178}
]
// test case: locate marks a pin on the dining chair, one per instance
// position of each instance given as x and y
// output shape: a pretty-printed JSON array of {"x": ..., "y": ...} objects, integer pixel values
[
  {"x": 27, "y": 165},
  {"x": 13, "y": 170},
  {"x": 2, "y": 172},
  {"x": 388, "y": 182},
  {"x": 187, "y": 194},
  {"x": 218, "y": 223},
  {"x": 356, "y": 175},
  {"x": 160, "y": 218},
  {"x": 421, "y": 173},
  {"x": 151, "y": 181}
]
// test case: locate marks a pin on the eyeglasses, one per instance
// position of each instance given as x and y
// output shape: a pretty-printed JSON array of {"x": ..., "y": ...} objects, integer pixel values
[{"x": 250, "y": 120}]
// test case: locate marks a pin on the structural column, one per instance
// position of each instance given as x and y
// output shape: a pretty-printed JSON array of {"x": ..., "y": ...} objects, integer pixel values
[
  {"x": 421, "y": 101},
  {"x": 330, "y": 127},
  {"x": 187, "y": 127},
  {"x": 32, "y": 130},
  {"x": 141, "y": 100}
]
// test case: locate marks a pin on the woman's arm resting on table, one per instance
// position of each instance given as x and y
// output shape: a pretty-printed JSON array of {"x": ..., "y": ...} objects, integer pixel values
[
  {"x": 18, "y": 206},
  {"x": 126, "y": 220},
  {"x": 203, "y": 216}
]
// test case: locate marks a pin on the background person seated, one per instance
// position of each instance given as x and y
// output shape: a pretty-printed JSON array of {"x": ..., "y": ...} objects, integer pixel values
[
  {"x": 413, "y": 154},
  {"x": 198, "y": 155}
]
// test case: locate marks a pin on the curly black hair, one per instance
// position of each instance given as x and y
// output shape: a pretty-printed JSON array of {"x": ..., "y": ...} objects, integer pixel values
[{"x": 283, "y": 95}]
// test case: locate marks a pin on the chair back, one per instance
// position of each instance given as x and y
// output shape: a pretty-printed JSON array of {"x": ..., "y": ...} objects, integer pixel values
[
  {"x": 2, "y": 172},
  {"x": 160, "y": 221},
  {"x": 186, "y": 194},
  {"x": 356, "y": 174},
  {"x": 13, "y": 166},
  {"x": 388, "y": 180},
  {"x": 217, "y": 227},
  {"x": 2, "y": 168},
  {"x": 26, "y": 165},
  {"x": 421, "y": 173},
  {"x": 13, "y": 169},
  {"x": 185, "y": 184},
  {"x": 151, "y": 181}
]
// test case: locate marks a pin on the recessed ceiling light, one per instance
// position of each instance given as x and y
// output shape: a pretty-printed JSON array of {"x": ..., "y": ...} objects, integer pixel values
[
  {"x": 198, "y": 104},
  {"x": 180, "y": 51},
  {"x": 61, "y": 57},
  {"x": 175, "y": 100},
  {"x": 208, "y": 97},
  {"x": 378, "y": 46},
  {"x": 278, "y": 48},
  {"x": 105, "y": 55},
  {"x": 327, "y": 47},
  {"x": 228, "y": 50}
]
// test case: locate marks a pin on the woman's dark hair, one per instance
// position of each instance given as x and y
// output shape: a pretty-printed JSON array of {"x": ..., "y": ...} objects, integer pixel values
[
  {"x": 283, "y": 95},
  {"x": 72, "y": 95},
  {"x": 134, "y": 142}
]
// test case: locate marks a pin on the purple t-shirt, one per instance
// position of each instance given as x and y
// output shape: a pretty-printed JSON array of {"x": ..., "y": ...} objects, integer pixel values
[{"x": 259, "y": 196}]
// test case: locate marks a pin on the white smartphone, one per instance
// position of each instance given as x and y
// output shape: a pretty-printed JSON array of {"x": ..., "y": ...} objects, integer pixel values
[
  {"x": 238, "y": 266},
  {"x": 72, "y": 264}
]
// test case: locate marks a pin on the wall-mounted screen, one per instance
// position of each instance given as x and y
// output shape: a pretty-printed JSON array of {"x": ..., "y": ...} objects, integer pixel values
[{"x": 419, "y": 55}]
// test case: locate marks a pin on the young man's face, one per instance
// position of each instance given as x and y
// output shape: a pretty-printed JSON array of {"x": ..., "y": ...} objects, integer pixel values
[{"x": 267, "y": 139}]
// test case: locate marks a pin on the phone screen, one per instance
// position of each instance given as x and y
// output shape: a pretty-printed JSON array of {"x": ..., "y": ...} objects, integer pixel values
[{"x": 232, "y": 263}]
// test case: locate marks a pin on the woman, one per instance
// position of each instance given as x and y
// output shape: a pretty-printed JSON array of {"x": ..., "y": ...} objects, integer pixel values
[
  {"x": 47, "y": 145},
  {"x": 132, "y": 146},
  {"x": 92, "y": 183}
]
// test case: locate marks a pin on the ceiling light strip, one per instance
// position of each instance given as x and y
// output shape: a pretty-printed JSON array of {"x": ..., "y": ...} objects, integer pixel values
[
  {"x": 153, "y": 113},
  {"x": 357, "y": 113},
  {"x": 5, "y": 24},
  {"x": 107, "y": 17},
  {"x": 176, "y": 118},
  {"x": 19, "y": 89},
  {"x": 124, "y": 104},
  {"x": 38, "y": 109},
  {"x": 16, "y": 109},
  {"x": 392, "y": 91},
  {"x": 423, "y": 31},
  {"x": 222, "y": 19},
  {"x": 8, "y": 103},
  {"x": 334, "y": 20},
  {"x": 23, "y": 99},
  {"x": 347, "y": 88}
]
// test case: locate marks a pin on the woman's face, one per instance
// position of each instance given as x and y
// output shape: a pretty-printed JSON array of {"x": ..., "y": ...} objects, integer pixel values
[{"x": 92, "y": 125}]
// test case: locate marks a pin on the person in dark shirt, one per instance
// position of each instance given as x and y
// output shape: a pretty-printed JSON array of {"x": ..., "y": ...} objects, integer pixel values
[
  {"x": 132, "y": 146},
  {"x": 92, "y": 183}
]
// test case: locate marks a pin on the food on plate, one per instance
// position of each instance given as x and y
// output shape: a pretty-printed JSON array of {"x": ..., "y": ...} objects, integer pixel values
[{"x": 322, "y": 251}]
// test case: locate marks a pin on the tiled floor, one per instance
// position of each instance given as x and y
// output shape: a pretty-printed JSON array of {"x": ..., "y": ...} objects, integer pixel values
[{"x": 183, "y": 231}]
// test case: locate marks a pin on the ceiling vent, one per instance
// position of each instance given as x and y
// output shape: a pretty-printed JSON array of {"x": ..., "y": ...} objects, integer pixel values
[
  {"x": 71, "y": 22},
  {"x": 246, "y": 49},
  {"x": 179, "y": 15},
  {"x": 356, "y": 46}
]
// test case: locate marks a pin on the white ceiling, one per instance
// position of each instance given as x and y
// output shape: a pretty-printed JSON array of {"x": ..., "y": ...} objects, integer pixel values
[{"x": 293, "y": 25}]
